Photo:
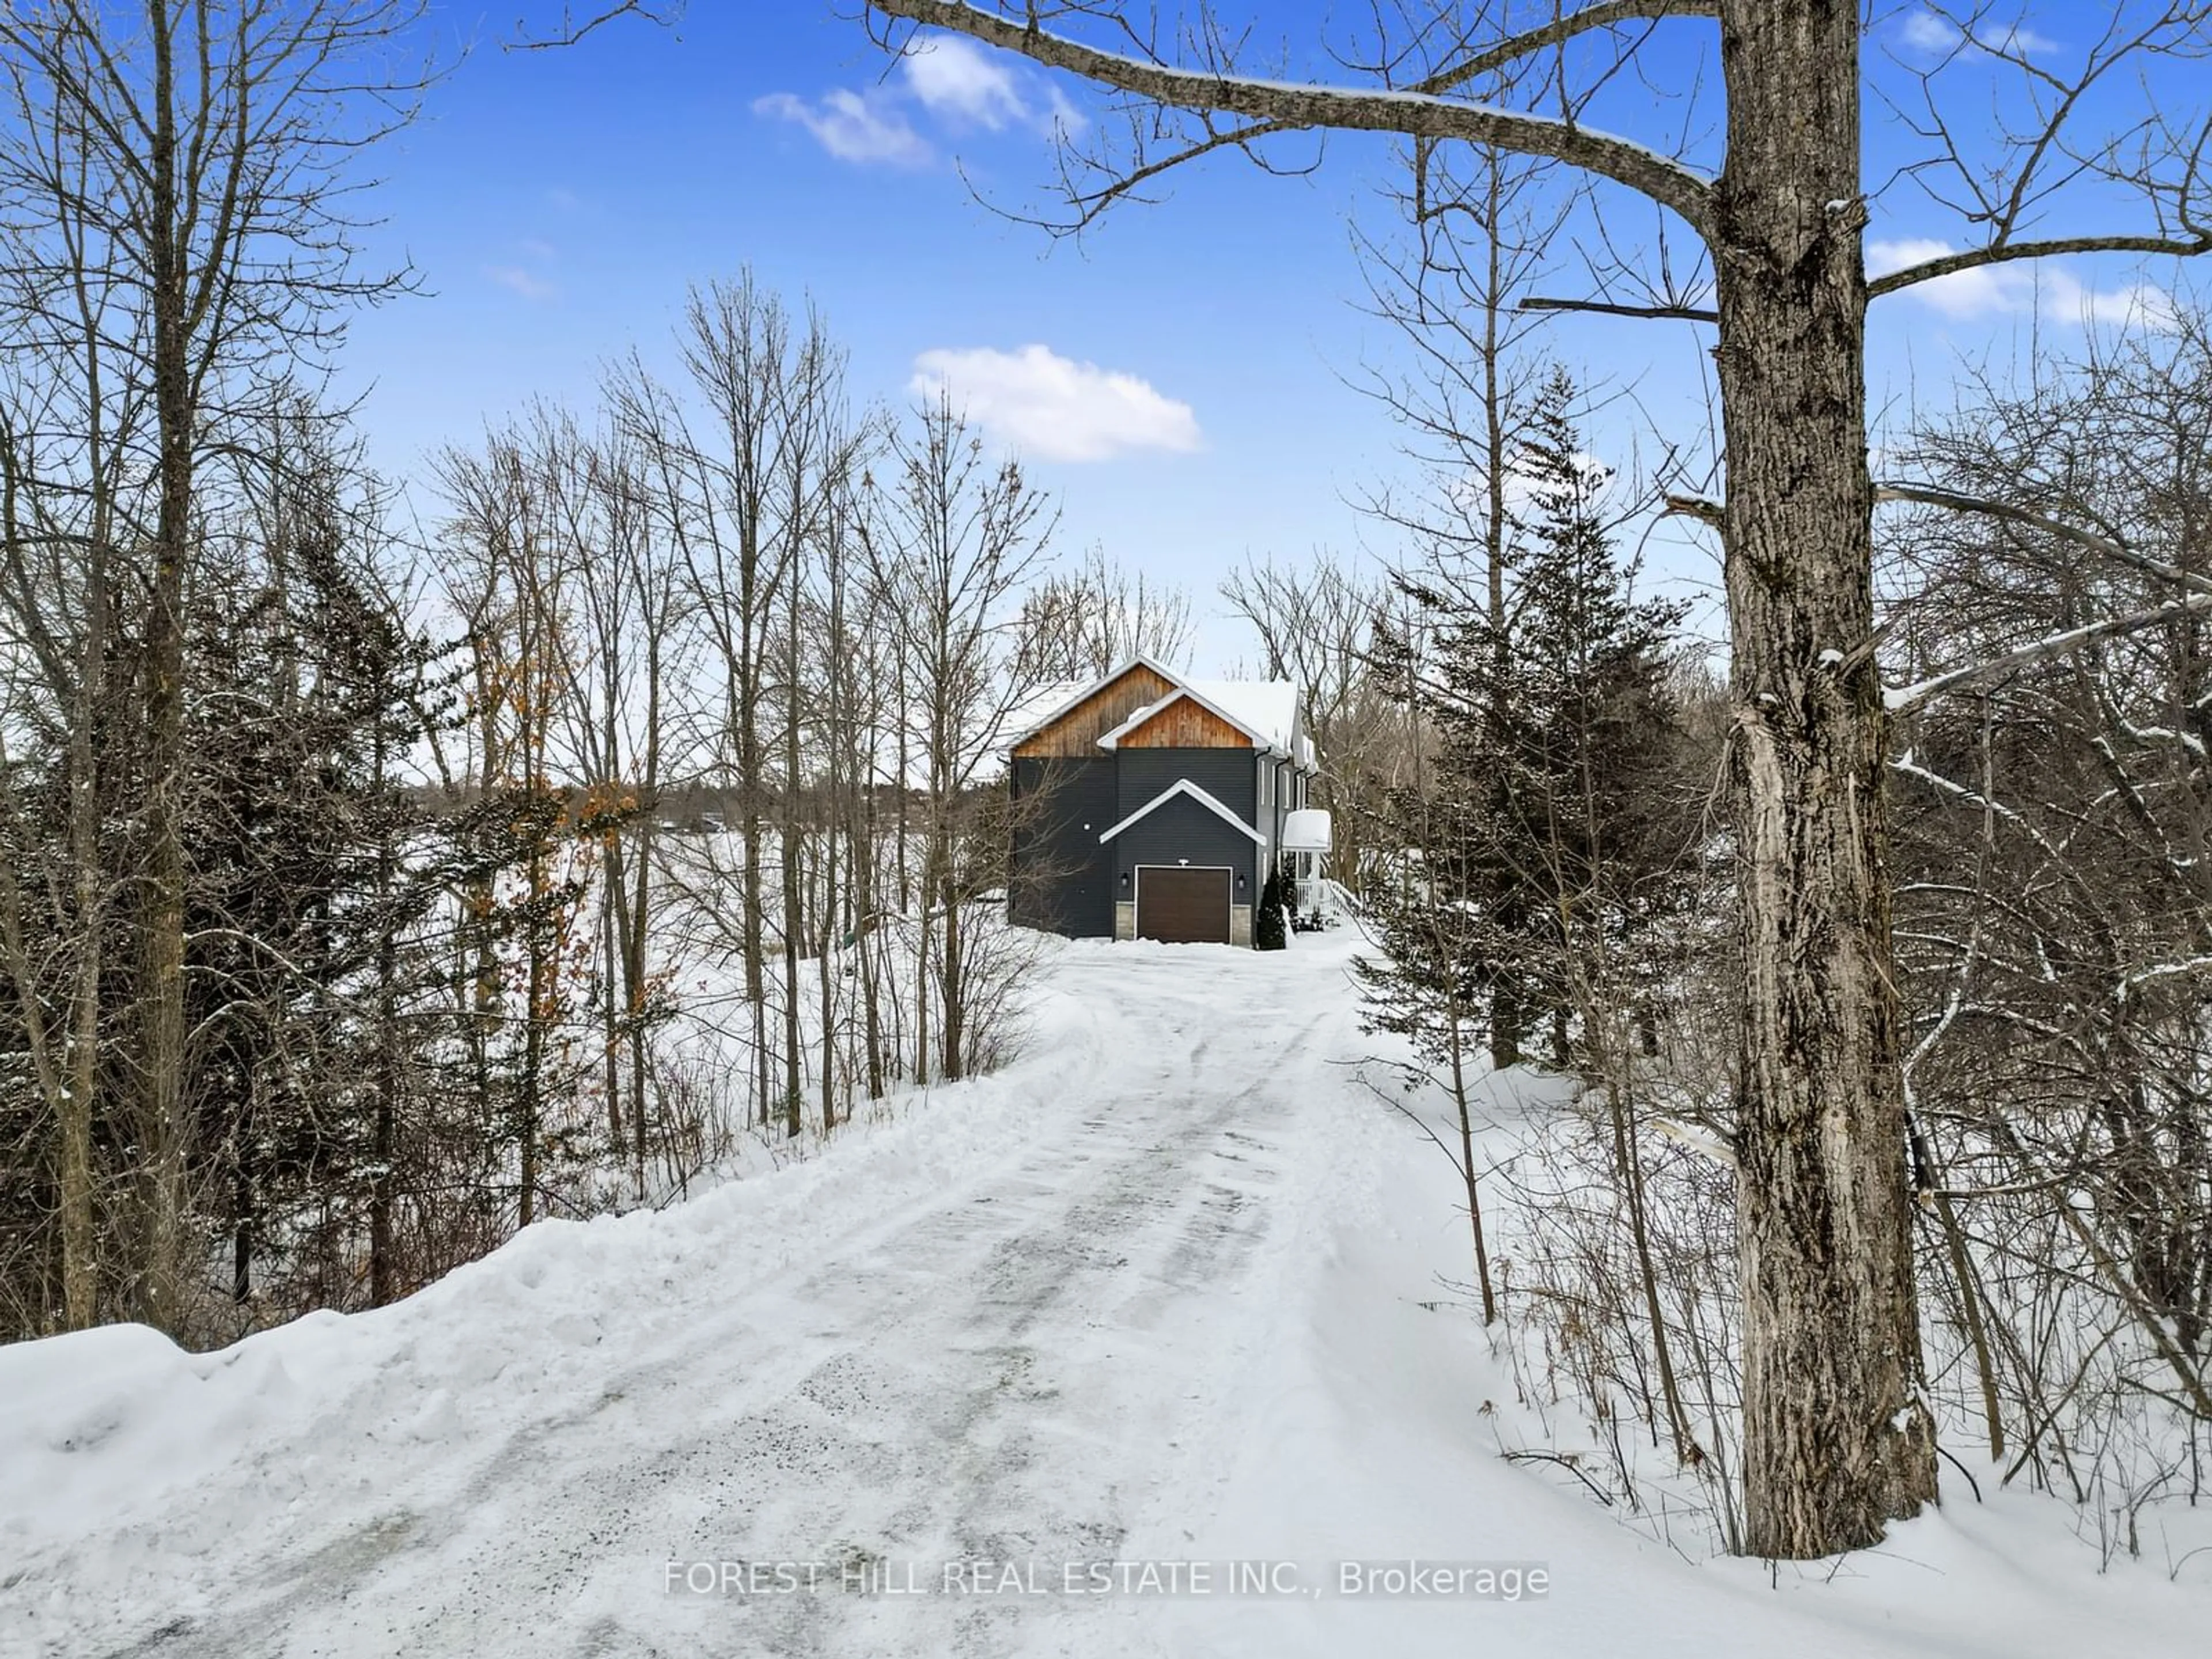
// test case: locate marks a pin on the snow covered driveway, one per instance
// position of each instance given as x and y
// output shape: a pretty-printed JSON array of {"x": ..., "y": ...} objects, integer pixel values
[
  {"x": 1164, "y": 1291},
  {"x": 999, "y": 1336}
]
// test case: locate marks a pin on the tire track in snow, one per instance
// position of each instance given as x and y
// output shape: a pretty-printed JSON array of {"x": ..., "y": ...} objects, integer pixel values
[{"x": 1008, "y": 1374}]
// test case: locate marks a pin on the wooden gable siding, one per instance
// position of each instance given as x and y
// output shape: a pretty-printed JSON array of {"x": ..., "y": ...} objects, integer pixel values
[
  {"x": 1185, "y": 724},
  {"x": 1074, "y": 735}
]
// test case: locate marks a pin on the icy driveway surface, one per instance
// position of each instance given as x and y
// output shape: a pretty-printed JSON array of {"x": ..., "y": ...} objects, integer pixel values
[{"x": 1162, "y": 1292}]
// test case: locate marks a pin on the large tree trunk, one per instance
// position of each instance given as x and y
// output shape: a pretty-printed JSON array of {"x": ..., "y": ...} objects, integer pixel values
[
  {"x": 161, "y": 1052},
  {"x": 1837, "y": 1439},
  {"x": 80, "y": 1264}
]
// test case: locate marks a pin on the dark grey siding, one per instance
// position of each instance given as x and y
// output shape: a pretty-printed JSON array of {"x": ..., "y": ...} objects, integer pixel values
[
  {"x": 1062, "y": 877},
  {"x": 1183, "y": 832},
  {"x": 1227, "y": 774},
  {"x": 1183, "y": 829}
]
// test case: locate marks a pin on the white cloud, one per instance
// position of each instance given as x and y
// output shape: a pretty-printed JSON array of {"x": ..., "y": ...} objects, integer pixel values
[
  {"x": 2019, "y": 289},
  {"x": 2139, "y": 305},
  {"x": 1061, "y": 117},
  {"x": 960, "y": 85},
  {"x": 851, "y": 127},
  {"x": 527, "y": 283},
  {"x": 1053, "y": 408},
  {"x": 1962, "y": 296},
  {"x": 960, "y": 81},
  {"x": 956, "y": 78},
  {"x": 2022, "y": 39},
  {"x": 1924, "y": 30}
]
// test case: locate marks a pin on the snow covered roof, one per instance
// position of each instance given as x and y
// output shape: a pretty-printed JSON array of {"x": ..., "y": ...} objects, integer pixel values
[
  {"x": 1268, "y": 710},
  {"x": 1184, "y": 787},
  {"x": 1306, "y": 830},
  {"x": 1041, "y": 707},
  {"x": 1257, "y": 730}
]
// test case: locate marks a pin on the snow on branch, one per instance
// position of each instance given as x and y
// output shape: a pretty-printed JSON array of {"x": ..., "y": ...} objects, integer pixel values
[
  {"x": 1903, "y": 700},
  {"x": 1290, "y": 106},
  {"x": 2129, "y": 983},
  {"x": 1907, "y": 765},
  {"x": 2147, "y": 734},
  {"x": 2009, "y": 513},
  {"x": 1973, "y": 258},
  {"x": 1711, "y": 1146}
]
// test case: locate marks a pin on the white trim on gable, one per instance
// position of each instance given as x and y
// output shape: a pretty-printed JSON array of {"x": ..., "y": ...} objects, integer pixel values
[
  {"x": 1185, "y": 786},
  {"x": 1112, "y": 740}
]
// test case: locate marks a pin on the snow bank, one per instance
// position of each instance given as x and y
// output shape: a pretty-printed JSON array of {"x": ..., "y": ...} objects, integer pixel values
[
  {"x": 1370, "y": 1423},
  {"x": 103, "y": 1425}
]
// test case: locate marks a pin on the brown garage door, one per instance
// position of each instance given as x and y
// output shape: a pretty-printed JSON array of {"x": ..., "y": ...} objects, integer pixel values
[{"x": 1182, "y": 906}]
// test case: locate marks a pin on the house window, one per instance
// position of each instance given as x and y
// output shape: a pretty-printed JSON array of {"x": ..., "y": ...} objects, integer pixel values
[{"x": 1267, "y": 783}]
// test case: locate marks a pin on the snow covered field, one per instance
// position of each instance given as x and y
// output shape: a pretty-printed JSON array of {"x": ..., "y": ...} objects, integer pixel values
[{"x": 1153, "y": 1297}]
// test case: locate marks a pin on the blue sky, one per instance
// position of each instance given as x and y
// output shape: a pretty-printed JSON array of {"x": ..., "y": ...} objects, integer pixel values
[
  {"x": 1177, "y": 379},
  {"x": 558, "y": 204}
]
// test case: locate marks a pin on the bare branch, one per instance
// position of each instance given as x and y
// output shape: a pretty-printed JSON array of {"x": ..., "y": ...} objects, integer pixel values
[
  {"x": 1290, "y": 106},
  {"x": 1905, "y": 699},
  {"x": 1605, "y": 308},
  {"x": 2003, "y": 252},
  {"x": 571, "y": 31},
  {"x": 1604, "y": 15},
  {"x": 1694, "y": 506},
  {"x": 1931, "y": 495}
]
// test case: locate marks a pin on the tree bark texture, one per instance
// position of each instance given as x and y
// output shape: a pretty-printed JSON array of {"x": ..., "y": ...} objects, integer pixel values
[{"x": 1837, "y": 1437}]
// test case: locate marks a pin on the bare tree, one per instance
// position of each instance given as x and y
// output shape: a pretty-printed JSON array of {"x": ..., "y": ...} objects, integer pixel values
[
  {"x": 953, "y": 539},
  {"x": 742, "y": 462},
  {"x": 626, "y": 649},
  {"x": 2055, "y": 909},
  {"x": 1838, "y": 1438},
  {"x": 59, "y": 609},
  {"x": 1314, "y": 622},
  {"x": 512, "y": 577},
  {"x": 178, "y": 231},
  {"x": 1090, "y": 621}
]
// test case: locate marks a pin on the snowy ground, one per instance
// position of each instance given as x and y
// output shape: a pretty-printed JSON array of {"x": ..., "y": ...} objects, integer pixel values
[{"x": 1152, "y": 1296}]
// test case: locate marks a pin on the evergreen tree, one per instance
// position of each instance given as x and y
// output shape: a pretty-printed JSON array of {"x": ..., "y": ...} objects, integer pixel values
[
  {"x": 1270, "y": 930},
  {"x": 1534, "y": 847},
  {"x": 314, "y": 876}
]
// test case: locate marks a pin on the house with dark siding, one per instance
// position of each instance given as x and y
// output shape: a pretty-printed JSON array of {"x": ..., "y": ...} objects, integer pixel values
[{"x": 1150, "y": 805}]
